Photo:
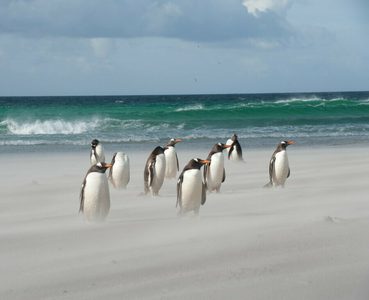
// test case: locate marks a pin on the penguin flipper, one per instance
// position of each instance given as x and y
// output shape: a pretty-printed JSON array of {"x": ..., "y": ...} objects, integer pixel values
[
  {"x": 205, "y": 178},
  {"x": 146, "y": 178},
  {"x": 111, "y": 169},
  {"x": 230, "y": 151},
  {"x": 96, "y": 157},
  {"x": 128, "y": 176},
  {"x": 151, "y": 172},
  {"x": 289, "y": 172},
  {"x": 224, "y": 175},
  {"x": 179, "y": 191},
  {"x": 239, "y": 151},
  {"x": 203, "y": 194},
  {"x": 82, "y": 196},
  {"x": 271, "y": 169},
  {"x": 177, "y": 162}
]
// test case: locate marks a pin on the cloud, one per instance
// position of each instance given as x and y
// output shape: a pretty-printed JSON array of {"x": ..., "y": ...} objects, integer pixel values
[
  {"x": 193, "y": 20},
  {"x": 255, "y": 7}
]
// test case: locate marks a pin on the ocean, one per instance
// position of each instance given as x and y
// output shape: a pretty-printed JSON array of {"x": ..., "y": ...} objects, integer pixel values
[{"x": 130, "y": 122}]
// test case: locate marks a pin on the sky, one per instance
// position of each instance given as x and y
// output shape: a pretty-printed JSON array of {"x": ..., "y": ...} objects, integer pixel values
[{"x": 141, "y": 47}]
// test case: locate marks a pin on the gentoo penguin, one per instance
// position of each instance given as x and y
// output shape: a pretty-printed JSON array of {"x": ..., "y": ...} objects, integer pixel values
[
  {"x": 214, "y": 173},
  {"x": 95, "y": 197},
  {"x": 119, "y": 173},
  {"x": 235, "y": 151},
  {"x": 279, "y": 169},
  {"x": 154, "y": 171},
  {"x": 171, "y": 159},
  {"x": 191, "y": 192},
  {"x": 97, "y": 152}
]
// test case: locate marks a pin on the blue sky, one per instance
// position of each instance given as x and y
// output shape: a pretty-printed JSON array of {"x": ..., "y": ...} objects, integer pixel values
[{"x": 124, "y": 47}]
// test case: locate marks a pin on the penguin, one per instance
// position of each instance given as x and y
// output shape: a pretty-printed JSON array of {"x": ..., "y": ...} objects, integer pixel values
[
  {"x": 97, "y": 152},
  {"x": 191, "y": 191},
  {"x": 119, "y": 173},
  {"x": 154, "y": 171},
  {"x": 214, "y": 173},
  {"x": 94, "y": 196},
  {"x": 279, "y": 169},
  {"x": 171, "y": 159},
  {"x": 235, "y": 151}
]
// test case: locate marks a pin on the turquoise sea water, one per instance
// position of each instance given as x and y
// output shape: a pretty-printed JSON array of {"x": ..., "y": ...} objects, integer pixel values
[{"x": 60, "y": 123}]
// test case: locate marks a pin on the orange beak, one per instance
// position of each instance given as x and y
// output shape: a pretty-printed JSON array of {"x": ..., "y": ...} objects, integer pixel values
[
  {"x": 107, "y": 165},
  {"x": 290, "y": 142},
  {"x": 205, "y": 161},
  {"x": 227, "y": 146}
]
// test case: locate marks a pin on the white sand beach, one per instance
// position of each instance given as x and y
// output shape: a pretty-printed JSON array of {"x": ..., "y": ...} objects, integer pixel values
[{"x": 309, "y": 240}]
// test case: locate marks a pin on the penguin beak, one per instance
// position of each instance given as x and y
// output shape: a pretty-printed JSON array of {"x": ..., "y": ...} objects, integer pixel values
[
  {"x": 178, "y": 140},
  {"x": 107, "y": 165},
  {"x": 227, "y": 146},
  {"x": 290, "y": 142},
  {"x": 205, "y": 161}
]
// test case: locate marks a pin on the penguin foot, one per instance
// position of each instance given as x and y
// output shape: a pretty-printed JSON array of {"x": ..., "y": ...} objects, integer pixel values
[{"x": 268, "y": 185}]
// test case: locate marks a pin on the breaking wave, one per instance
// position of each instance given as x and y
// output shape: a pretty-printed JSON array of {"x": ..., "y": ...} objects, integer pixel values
[
  {"x": 48, "y": 127},
  {"x": 191, "y": 107}
]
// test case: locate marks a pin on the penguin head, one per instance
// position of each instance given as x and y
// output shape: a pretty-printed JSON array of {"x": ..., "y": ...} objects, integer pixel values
[
  {"x": 234, "y": 137},
  {"x": 197, "y": 163},
  {"x": 173, "y": 141},
  {"x": 94, "y": 143},
  {"x": 202, "y": 161},
  {"x": 220, "y": 147},
  {"x": 100, "y": 167},
  {"x": 158, "y": 150},
  {"x": 284, "y": 144}
]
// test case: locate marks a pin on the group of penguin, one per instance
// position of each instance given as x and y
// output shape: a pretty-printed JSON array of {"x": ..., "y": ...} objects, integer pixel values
[{"x": 192, "y": 184}]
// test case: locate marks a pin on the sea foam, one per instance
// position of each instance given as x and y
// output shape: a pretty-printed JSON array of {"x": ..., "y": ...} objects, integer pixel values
[
  {"x": 191, "y": 107},
  {"x": 49, "y": 127}
]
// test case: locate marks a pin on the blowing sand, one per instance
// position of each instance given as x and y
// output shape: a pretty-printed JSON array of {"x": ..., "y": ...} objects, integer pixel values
[{"x": 309, "y": 240}]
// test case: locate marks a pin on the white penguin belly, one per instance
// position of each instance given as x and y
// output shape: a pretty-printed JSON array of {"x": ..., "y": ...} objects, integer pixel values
[
  {"x": 191, "y": 190},
  {"x": 100, "y": 156},
  {"x": 96, "y": 204},
  {"x": 159, "y": 173},
  {"x": 120, "y": 172},
  {"x": 215, "y": 171},
  {"x": 235, "y": 154},
  {"x": 93, "y": 158},
  {"x": 171, "y": 162},
  {"x": 281, "y": 168},
  {"x": 229, "y": 142}
]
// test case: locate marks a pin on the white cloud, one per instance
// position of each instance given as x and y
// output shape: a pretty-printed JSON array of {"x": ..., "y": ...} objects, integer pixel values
[{"x": 255, "y": 7}]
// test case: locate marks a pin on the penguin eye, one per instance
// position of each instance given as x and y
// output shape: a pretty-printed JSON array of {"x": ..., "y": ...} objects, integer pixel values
[
  {"x": 219, "y": 144},
  {"x": 99, "y": 164}
]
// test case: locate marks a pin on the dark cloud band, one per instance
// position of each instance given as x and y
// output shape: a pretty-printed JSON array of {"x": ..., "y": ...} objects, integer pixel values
[{"x": 205, "y": 20}]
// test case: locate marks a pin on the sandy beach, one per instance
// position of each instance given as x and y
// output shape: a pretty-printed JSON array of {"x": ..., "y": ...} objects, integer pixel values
[{"x": 306, "y": 241}]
